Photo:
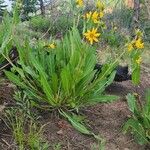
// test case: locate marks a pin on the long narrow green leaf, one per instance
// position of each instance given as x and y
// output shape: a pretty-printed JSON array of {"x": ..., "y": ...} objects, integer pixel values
[
  {"x": 78, "y": 126},
  {"x": 102, "y": 99},
  {"x": 66, "y": 80},
  {"x": 137, "y": 129},
  {"x": 15, "y": 79},
  {"x": 47, "y": 90},
  {"x": 136, "y": 75},
  {"x": 43, "y": 80},
  {"x": 80, "y": 87},
  {"x": 55, "y": 83},
  {"x": 131, "y": 102},
  {"x": 82, "y": 129},
  {"x": 111, "y": 78}
]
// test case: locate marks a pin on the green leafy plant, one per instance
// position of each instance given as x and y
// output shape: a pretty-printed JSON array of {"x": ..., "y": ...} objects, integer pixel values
[
  {"x": 63, "y": 78},
  {"x": 113, "y": 38},
  {"x": 62, "y": 24},
  {"x": 140, "y": 121},
  {"x": 5, "y": 36},
  {"x": 6, "y": 33},
  {"x": 121, "y": 16},
  {"x": 40, "y": 23}
]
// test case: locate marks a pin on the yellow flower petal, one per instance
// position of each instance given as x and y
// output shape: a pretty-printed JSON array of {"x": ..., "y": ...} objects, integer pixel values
[
  {"x": 139, "y": 44},
  {"x": 101, "y": 14},
  {"x": 88, "y": 15},
  {"x": 130, "y": 47},
  {"x": 95, "y": 16},
  {"x": 100, "y": 5},
  {"x": 92, "y": 35},
  {"x": 52, "y": 45},
  {"x": 95, "y": 39},
  {"x": 139, "y": 60},
  {"x": 97, "y": 34},
  {"x": 79, "y": 3}
]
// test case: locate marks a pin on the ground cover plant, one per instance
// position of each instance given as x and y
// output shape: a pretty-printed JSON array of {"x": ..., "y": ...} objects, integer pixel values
[{"x": 58, "y": 74}]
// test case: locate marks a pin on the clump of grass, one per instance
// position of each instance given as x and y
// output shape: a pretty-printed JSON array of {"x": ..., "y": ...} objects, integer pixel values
[{"x": 25, "y": 130}]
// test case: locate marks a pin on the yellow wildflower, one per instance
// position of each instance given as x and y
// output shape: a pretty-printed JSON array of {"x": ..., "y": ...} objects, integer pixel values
[
  {"x": 100, "y": 5},
  {"x": 101, "y": 14},
  {"x": 79, "y": 3},
  {"x": 95, "y": 16},
  {"x": 139, "y": 60},
  {"x": 88, "y": 15},
  {"x": 139, "y": 44},
  {"x": 96, "y": 21},
  {"x": 52, "y": 45},
  {"x": 130, "y": 47},
  {"x": 92, "y": 35}
]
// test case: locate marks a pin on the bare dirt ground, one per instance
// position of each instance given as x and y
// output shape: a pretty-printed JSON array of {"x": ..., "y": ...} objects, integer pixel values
[{"x": 104, "y": 119}]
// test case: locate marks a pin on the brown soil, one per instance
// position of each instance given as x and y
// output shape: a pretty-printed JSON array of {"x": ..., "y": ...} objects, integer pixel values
[{"x": 104, "y": 119}]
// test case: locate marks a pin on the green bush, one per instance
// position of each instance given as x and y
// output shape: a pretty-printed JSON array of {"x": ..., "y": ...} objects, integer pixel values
[
  {"x": 121, "y": 17},
  {"x": 40, "y": 23},
  {"x": 62, "y": 24},
  {"x": 146, "y": 28},
  {"x": 113, "y": 38},
  {"x": 140, "y": 122}
]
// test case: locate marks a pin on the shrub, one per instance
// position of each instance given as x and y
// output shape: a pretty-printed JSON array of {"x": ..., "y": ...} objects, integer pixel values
[
  {"x": 40, "y": 23},
  {"x": 62, "y": 24},
  {"x": 146, "y": 27},
  {"x": 121, "y": 17},
  {"x": 113, "y": 38},
  {"x": 140, "y": 121}
]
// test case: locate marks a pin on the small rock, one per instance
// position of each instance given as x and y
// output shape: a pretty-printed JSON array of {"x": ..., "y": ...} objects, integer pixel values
[{"x": 60, "y": 132}]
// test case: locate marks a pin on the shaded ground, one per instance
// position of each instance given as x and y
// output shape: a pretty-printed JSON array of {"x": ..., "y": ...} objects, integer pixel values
[{"x": 104, "y": 119}]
